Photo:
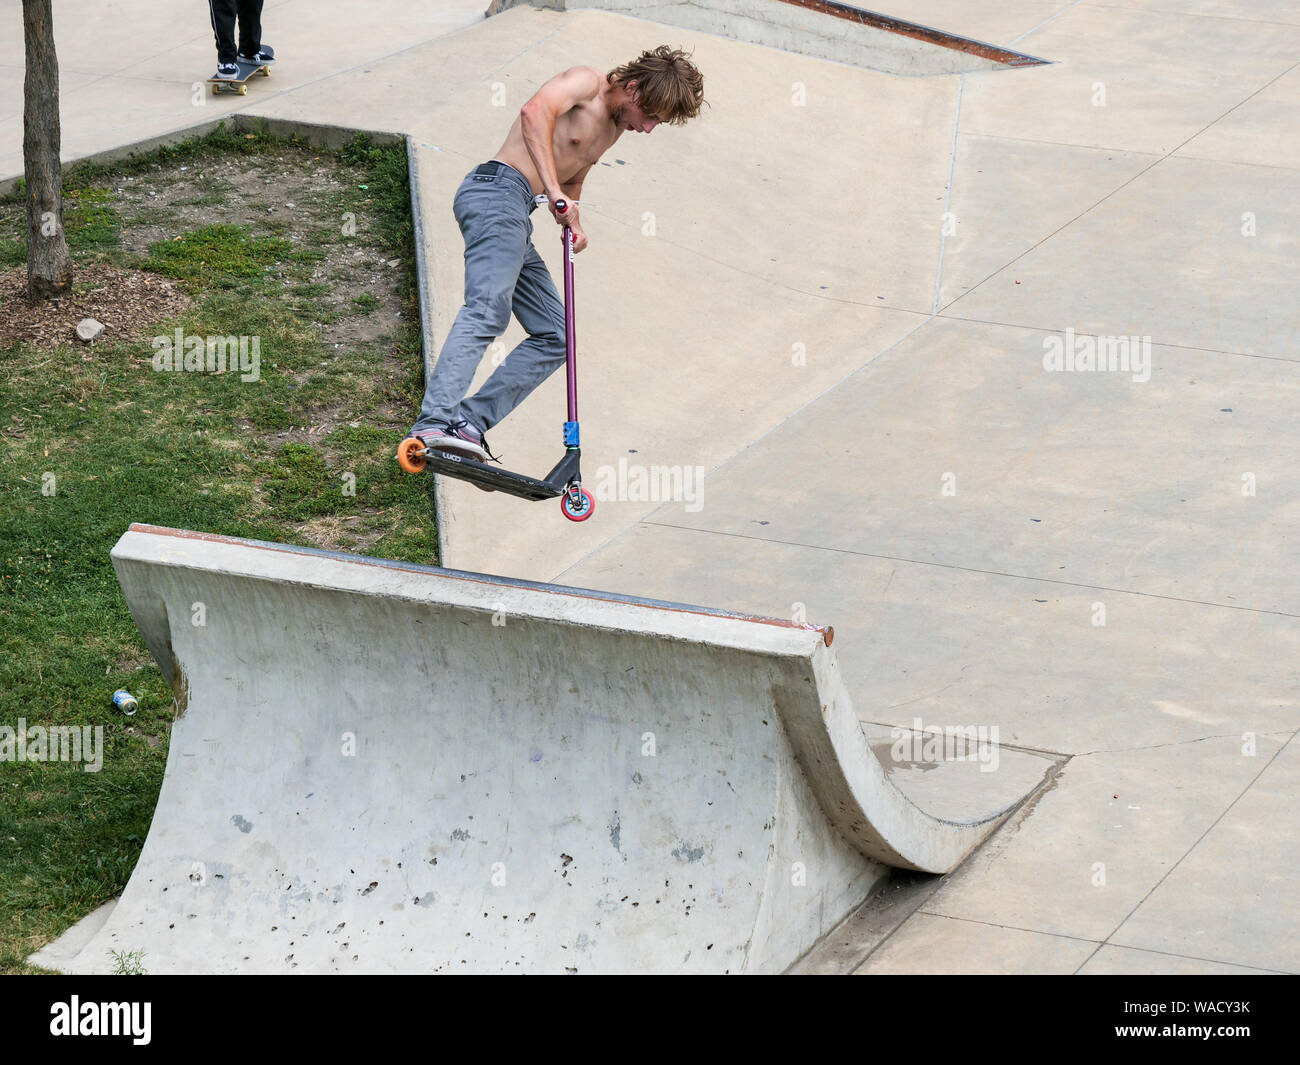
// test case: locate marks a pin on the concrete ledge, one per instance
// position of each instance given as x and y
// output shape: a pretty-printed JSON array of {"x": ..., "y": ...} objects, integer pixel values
[
  {"x": 326, "y": 136},
  {"x": 428, "y": 307}
]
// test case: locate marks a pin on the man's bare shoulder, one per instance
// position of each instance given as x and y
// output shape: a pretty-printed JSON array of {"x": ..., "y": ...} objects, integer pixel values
[{"x": 580, "y": 83}]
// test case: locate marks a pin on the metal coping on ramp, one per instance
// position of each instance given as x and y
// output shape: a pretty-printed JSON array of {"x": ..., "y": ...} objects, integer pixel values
[
  {"x": 385, "y": 767},
  {"x": 832, "y": 9},
  {"x": 915, "y": 30},
  {"x": 827, "y": 632}
]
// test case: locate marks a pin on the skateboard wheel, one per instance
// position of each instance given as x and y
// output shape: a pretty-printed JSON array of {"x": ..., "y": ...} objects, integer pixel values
[
  {"x": 243, "y": 90},
  {"x": 588, "y": 505},
  {"x": 409, "y": 455}
]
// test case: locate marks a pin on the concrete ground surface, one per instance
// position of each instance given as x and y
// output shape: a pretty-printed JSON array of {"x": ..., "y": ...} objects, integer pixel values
[{"x": 834, "y": 293}]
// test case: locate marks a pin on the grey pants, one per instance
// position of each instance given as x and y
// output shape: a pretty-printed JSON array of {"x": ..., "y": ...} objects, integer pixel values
[{"x": 503, "y": 273}]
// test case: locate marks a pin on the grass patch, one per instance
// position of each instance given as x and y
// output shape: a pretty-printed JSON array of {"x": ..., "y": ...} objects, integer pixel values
[
  {"x": 213, "y": 254},
  {"x": 90, "y": 221},
  {"x": 297, "y": 450},
  {"x": 366, "y": 303},
  {"x": 90, "y": 225}
]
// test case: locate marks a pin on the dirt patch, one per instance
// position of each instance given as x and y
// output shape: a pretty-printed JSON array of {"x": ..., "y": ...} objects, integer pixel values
[
  {"x": 355, "y": 532},
  {"x": 126, "y": 301},
  {"x": 293, "y": 194}
]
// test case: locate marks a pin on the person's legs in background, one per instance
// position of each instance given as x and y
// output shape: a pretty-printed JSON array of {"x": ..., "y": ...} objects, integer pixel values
[{"x": 223, "y": 14}]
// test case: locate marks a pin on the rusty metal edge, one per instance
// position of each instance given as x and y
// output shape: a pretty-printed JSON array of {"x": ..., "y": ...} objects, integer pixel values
[{"x": 917, "y": 31}]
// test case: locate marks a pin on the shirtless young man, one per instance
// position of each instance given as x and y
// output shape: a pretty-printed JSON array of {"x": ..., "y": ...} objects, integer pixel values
[{"x": 559, "y": 135}]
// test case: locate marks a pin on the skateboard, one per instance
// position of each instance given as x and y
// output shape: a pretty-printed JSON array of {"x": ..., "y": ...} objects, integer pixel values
[{"x": 239, "y": 84}]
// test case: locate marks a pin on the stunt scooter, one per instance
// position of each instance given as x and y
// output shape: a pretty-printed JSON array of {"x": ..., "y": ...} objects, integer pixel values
[{"x": 565, "y": 480}]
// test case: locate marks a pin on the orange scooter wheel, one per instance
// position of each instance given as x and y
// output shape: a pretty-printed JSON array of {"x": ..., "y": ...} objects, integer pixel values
[{"x": 410, "y": 455}]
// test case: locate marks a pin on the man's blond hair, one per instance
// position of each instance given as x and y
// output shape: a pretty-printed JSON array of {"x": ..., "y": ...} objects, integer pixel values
[{"x": 668, "y": 85}]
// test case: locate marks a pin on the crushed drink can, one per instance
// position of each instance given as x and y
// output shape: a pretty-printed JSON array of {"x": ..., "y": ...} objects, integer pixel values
[{"x": 125, "y": 701}]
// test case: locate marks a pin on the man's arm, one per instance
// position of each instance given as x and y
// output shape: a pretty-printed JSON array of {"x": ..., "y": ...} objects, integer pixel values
[
  {"x": 538, "y": 116},
  {"x": 572, "y": 191}
]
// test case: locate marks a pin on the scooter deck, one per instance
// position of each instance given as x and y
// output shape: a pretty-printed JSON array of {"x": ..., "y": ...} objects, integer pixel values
[{"x": 515, "y": 484}]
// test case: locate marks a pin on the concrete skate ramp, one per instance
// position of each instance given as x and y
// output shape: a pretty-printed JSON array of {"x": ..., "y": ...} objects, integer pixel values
[{"x": 381, "y": 767}]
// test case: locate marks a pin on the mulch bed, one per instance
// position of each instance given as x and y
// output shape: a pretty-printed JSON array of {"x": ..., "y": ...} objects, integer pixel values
[{"x": 128, "y": 302}]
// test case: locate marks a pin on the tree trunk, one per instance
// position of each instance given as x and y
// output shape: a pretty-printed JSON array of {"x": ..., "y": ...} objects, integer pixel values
[{"x": 49, "y": 266}]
